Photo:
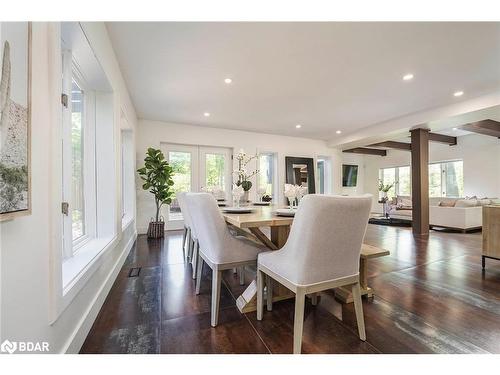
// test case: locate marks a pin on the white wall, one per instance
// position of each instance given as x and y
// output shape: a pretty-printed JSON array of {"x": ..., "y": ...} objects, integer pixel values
[
  {"x": 28, "y": 243},
  {"x": 481, "y": 156},
  {"x": 153, "y": 133}
]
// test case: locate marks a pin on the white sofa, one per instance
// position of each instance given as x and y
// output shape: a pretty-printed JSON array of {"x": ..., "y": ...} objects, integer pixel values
[{"x": 462, "y": 218}]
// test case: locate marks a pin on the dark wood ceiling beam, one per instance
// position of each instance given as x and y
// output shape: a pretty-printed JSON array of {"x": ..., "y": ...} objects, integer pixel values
[
  {"x": 393, "y": 144},
  {"x": 484, "y": 127},
  {"x": 366, "y": 151},
  {"x": 441, "y": 138}
]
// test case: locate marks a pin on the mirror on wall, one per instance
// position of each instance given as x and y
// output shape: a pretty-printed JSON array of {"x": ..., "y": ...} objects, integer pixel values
[{"x": 300, "y": 171}]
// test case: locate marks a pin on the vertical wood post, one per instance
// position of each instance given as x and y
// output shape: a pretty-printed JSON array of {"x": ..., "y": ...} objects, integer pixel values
[{"x": 420, "y": 180}]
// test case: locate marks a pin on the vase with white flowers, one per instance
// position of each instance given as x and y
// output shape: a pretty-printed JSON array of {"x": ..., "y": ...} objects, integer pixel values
[{"x": 242, "y": 175}]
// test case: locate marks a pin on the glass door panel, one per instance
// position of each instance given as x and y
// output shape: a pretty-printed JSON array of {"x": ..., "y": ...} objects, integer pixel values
[
  {"x": 215, "y": 170},
  {"x": 196, "y": 167},
  {"x": 184, "y": 162}
]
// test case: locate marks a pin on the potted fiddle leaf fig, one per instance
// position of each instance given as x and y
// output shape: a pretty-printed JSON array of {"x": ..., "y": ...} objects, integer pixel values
[{"x": 157, "y": 176}]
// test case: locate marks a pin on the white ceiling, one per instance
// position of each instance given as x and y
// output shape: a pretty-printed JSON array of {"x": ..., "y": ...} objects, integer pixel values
[{"x": 325, "y": 76}]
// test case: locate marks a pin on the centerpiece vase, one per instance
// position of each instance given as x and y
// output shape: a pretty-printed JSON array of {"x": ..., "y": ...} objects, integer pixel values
[{"x": 245, "y": 197}]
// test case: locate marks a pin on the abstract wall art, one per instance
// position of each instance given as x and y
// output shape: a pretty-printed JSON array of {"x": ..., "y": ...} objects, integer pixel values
[{"x": 15, "y": 119}]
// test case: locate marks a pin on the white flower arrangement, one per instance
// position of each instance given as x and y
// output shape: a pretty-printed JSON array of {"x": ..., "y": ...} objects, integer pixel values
[
  {"x": 294, "y": 193},
  {"x": 241, "y": 174}
]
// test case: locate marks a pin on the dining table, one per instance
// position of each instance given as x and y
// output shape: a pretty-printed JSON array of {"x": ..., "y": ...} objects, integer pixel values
[{"x": 254, "y": 225}]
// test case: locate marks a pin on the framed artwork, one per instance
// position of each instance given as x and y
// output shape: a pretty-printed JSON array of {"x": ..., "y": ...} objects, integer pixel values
[{"x": 15, "y": 119}]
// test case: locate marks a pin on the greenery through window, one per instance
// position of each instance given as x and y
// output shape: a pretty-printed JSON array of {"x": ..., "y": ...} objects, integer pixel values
[
  {"x": 445, "y": 179},
  {"x": 214, "y": 164},
  {"x": 77, "y": 155}
]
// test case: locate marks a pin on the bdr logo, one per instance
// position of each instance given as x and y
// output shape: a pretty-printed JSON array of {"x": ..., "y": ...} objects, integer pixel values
[{"x": 24, "y": 346}]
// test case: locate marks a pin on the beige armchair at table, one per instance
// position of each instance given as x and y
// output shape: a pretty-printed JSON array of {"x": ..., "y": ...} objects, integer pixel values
[
  {"x": 322, "y": 252},
  {"x": 217, "y": 247},
  {"x": 189, "y": 233}
]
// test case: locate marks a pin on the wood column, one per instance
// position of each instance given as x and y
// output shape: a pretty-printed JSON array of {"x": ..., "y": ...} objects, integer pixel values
[{"x": 420, "y": 180}]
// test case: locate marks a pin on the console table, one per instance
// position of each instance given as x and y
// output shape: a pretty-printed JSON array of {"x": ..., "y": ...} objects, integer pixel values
[{"x": 491, "y": 233}]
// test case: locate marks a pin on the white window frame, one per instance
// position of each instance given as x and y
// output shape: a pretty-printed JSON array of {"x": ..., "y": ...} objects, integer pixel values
[
  {"x": 72, "y": 72},
  {"x": 442, "y": 166},
  {"x": 396, "y": 178},
  {"x": 444, "y": 171}
]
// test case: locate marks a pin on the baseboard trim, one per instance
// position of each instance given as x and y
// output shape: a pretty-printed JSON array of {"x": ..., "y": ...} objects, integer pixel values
[{"x": 77, "y": 338}]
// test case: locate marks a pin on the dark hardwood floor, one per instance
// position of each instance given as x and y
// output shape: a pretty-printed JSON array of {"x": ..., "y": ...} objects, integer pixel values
[{"x": 431, "y": 297}]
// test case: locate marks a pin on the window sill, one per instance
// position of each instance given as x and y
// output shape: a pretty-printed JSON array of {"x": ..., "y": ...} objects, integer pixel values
[
  {"x": 81, "y": 264},
  {"x": 126, "y": 221}
]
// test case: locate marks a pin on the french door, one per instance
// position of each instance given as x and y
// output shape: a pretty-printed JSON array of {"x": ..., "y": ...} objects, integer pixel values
[{"x": 196, "y": 167}]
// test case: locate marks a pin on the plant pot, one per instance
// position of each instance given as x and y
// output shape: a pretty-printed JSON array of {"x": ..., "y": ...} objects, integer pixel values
[{"x": 156, "y": 229}]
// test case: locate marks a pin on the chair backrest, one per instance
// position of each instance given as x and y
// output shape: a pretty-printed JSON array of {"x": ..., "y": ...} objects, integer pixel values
[
  {"x": 181, "y": 198},
  {"x": 326, "y": 237},
  {"x": 208, "y": 222}
]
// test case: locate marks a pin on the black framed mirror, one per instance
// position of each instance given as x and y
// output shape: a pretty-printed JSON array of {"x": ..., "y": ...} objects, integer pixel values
[{"x": 300, "y": 171}]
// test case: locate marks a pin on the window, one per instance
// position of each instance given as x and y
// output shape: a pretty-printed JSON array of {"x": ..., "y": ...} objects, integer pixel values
[
  {"x": 89, "y": 186},
  {"x": 388, "y": 176},
  {"x": 128, "y": 174},
  {"x": 267, "y": 170},
  {"x": 446, "y": 179},
  {"x": 78, "y": 159},
  {"x": 215, "y": 170}
]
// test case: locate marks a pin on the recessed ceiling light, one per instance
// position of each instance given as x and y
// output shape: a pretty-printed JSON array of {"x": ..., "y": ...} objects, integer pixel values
[
  {"x": 455, "y": 129},
  {"x": 338, "y": 131},
  {"x": 408, "y": 77},
  {"x": 458, "y": 93},
  {"x": 298, "y": 126},
  {"x": 228, "y": 80},
  {"x": 206, "y": 114}
]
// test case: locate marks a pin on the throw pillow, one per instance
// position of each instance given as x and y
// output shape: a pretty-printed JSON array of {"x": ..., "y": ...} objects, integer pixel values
[
  {"x": 447, "y": 204},
  {"x": 466, "y": 203}
]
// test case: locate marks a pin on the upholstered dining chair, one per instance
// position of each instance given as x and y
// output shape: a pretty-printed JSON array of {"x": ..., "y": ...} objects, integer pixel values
[
  {"x": 189, "y": 238},
  {"x": 322, "y": 252},
  {"x": 217, "y": 247}
]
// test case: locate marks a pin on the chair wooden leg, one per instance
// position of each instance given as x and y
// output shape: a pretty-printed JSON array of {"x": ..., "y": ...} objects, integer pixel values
[
  {"x": 260, "y": 294},
  {"x": 216, "y": 281},
  {"x": 269, "y": 299},
  {"x": 358, "y": 307},
  {"x": 199, "y": 272},
  {"x": 298, "y": 322},
  {"x": 195, "y": 257},
  {"x": 241, "y": 275}
]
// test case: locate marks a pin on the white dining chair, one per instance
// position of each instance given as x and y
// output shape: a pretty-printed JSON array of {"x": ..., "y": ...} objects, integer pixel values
[
  {"x": 322, "y": 252},
  {"x": 189, "y": 236},
  {"x": 217, "y": 247}
]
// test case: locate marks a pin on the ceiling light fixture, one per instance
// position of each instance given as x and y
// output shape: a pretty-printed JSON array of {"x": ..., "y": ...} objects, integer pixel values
[
  {"x": 408, "y": 77},
  {"x": 298, "y": 126},
  {"x": 206, "y": 114},
  {"x": 228, "y": 80},
  {"x": 455, "y": 129},
  {"x": 458, "y": 93},
  {"x": 338, "y": 131}
]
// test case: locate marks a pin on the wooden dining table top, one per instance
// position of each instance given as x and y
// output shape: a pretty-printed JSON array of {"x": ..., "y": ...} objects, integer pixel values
[{"x": 262, "y": 216}]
